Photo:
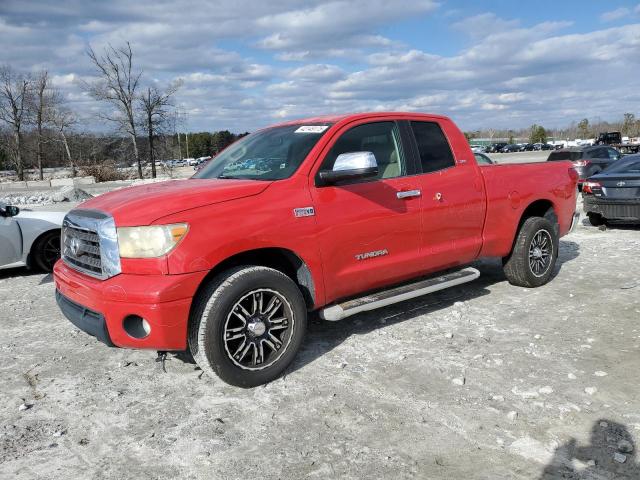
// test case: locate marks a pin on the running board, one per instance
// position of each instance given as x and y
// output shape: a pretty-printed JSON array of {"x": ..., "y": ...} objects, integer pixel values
[{"x": 398, "y": 294}]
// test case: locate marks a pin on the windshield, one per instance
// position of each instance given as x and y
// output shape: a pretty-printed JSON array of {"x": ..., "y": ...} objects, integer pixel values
[
  {"x": 564, "y": 155},
  {"x": 627, "y": 165},
  {"x": 270, "y": 154}
]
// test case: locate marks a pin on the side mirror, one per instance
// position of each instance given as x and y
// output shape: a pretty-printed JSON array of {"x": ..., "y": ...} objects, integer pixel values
[
  {"x": 9, "y": 211},
  {"x": 351, "y": 166}
]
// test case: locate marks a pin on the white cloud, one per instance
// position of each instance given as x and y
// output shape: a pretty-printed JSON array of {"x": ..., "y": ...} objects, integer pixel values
[
  {"x": 616, "y": 14},
  {"x": 246, "y": 63}
]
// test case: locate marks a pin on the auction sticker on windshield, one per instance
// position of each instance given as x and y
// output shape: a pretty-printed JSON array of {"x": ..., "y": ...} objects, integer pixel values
[{"x": 312, "y": 129}]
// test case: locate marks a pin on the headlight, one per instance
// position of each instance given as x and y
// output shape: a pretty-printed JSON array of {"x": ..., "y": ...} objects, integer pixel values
[{"x": 149, "y": 242}]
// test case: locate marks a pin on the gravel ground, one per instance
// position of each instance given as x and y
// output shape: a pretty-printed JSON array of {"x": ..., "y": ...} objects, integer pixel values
[{"x": 482, "y": 381}]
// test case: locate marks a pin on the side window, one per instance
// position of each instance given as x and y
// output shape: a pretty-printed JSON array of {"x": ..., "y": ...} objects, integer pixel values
[
  {"x": 599, "y": 153},
  {"x": 435, "y": 153},
  {"x": 380, "y": 138},
  {"x": 613, "y": 154}
]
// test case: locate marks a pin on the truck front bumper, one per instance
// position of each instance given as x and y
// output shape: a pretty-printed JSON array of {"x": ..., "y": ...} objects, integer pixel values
[{"x": 100, "y": 307}]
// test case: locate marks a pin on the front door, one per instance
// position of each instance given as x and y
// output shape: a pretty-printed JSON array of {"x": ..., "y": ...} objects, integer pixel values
[
  {"x": 369, "y": 231},
  {"x": 10, "y": 241}
]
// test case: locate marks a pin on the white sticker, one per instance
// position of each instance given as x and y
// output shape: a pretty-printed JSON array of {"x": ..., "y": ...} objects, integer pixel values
[{"x": 311, "y": 129}]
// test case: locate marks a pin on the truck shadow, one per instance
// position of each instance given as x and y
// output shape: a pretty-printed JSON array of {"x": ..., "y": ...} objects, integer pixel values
[
  {"x": 323, "y": 336},
  {"x": 9, "y": 273},
  {"x": 611, "y": 453}
]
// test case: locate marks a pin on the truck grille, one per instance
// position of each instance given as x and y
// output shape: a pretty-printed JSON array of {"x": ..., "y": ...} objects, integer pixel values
[
  {"x": 90, "y": 243},
  {"x": 82, "y": 250}
]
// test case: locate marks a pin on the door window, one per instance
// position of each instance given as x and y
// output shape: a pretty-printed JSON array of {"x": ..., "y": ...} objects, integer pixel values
[
  {"x": 435, "y": 153},
  {"x": 613, "y": 154},
  {"x": 380, "y": 138}
]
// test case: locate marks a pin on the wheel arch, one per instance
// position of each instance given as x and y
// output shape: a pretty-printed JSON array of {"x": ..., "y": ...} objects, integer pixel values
[
  {"x": 538, "y": 208},
  {"x": 281, "y": 259},
  {"x": 35, "y": 242}
]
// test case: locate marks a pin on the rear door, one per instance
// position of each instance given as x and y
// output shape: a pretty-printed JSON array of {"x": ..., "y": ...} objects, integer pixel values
[
  {"x": 453, "y": 197},
  {"x": 368, "y": 230}
]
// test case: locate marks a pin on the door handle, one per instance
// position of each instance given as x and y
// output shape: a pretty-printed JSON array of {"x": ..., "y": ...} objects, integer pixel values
[{"x": 408, "y": 194}]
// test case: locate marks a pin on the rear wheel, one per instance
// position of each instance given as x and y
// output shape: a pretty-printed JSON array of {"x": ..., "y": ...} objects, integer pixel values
[
  {"x": 596, "y": 219},
  {"x": 534, "y": 254},
  {"x": 45, "y": 252},
  {"x": 247, "y": 325}
]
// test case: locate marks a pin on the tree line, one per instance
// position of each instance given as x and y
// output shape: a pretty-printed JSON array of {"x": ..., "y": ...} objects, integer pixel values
[
  {"x": 38, "y": 129},
  {"x": 628, "y": 126}
]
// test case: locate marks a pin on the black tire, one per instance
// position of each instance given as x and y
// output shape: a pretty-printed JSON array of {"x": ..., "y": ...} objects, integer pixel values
[
  {"x": 45, "y": 251},
  {"x": 219, "y": 307},
  {"x": 596, "y": 219},
  {"x": 527, "y": 266}
]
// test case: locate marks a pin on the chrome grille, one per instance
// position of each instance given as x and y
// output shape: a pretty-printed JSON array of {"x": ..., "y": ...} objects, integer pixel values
[
  {"x": 82, "y": 250},
  {"x": 90, "y": 243}
]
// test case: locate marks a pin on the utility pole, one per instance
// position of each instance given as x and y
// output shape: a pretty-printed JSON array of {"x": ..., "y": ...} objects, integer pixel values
[
  {"x": 187, "y": 137},
  {"x": 179, "y": 147}
]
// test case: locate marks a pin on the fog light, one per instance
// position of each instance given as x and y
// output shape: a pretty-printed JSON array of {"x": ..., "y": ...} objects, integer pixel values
[{"x": 136, "y": 326}]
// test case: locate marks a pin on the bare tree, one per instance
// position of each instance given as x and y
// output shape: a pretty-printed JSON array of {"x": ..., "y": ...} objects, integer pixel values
[
  {"x": 155, "y": 105},
  {"x": 63, "y": 119},
  {"x": 118, "y": 87},
  {"x": 44, "y": 102},
  {"x": 15, "y": 92}
]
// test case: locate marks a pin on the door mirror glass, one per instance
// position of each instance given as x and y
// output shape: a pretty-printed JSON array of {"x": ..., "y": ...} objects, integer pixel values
[
  {"x": 8, "y": 210},
  {"x": 350, "y": 166}
]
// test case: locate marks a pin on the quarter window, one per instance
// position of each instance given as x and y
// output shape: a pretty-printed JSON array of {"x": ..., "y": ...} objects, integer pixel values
[{"x": 435, "y": 153}]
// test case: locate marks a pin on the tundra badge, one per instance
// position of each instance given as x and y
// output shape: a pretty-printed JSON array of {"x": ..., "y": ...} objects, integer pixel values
[{"x": 376, "y": 253}]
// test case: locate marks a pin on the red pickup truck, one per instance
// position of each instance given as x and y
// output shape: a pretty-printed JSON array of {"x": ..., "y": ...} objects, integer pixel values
[{"x": 335, "y": 214}]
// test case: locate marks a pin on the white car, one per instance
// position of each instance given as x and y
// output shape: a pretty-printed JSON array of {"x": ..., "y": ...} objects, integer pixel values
[{"x": 29, "y": 238}]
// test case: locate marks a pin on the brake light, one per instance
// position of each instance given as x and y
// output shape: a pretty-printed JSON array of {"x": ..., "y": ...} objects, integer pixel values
[
  {"x": 588, "y": 187},
  {"x": 581, "y": 163}
]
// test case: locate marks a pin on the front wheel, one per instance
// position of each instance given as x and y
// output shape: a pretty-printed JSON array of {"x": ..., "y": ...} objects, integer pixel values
[
  {"x": 534, "y": 254},
  {"x": 247, "y": 325},
  {"x": 46, "y": 251}
]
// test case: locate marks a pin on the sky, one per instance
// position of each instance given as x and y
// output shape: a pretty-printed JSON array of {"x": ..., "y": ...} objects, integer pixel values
[{"x": 247, "y": 64}]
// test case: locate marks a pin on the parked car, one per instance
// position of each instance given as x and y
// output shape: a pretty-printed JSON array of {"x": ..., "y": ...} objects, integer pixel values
[
  {"x": 228, "y": 263},
  {"x": 512, "y": 147},
  {"x": 542, "y": 146},
  {"x": 614, "y": 194},
  {"x": 527, "y": 147},
  {"x": 201, "y": 165},
  {"x": 478, "y": 148},
  {"x": 587, "y": 161},
  {"x": 496, "y": 147},
  {"x": 482, "y": 159},
  {"x": 29, "y": 239}
]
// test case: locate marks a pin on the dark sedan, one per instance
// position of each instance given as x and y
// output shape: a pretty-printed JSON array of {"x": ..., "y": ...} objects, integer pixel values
[
  {"x": 542, "y": 146},
  {"x": 614, "y": 194},
  {"x": 512, "y": 147},
  {"x": 496, "y": 147},
  {"x": 587, "y": 161}
]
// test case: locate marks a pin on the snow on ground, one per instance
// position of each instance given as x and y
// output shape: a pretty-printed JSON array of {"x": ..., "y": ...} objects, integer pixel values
[{"x": 482, "y": 381}]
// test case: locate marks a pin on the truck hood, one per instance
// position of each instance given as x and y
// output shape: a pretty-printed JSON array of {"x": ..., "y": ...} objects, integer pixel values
[{"x": 143, "y": 204}]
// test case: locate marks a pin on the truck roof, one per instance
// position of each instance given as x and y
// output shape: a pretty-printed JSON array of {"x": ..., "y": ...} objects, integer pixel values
[{"x": 335, "y": 118}]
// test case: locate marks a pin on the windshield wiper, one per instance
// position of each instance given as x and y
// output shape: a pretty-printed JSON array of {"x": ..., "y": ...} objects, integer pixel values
[{"x": 227, "y": 177}]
